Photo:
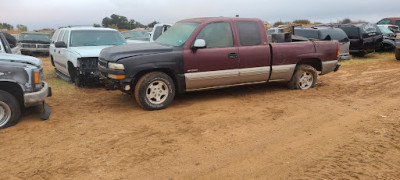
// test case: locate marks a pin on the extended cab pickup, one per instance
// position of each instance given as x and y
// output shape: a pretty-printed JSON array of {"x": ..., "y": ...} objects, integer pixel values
[{"x": 207, "y": 53}]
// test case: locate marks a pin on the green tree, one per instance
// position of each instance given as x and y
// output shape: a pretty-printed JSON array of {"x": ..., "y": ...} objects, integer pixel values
[
  {"x": 345, "y": 21},
  {"x": 119, "y": 21},
  {"x": 301, "y": 21},
  {"x": 139, "y": 25},
  {"x": 6, "y": 26},
  {"x": 96, "y": 25},
  {"x": 152, "y": 24},
  {"x": 22, "y": 28}
]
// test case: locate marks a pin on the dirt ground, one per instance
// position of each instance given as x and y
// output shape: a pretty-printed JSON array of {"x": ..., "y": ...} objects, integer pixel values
[{"x": 347, "y": 127}]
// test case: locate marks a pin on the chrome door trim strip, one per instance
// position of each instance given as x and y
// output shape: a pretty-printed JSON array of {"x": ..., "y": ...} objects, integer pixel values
[
  {"x": 211, "y": 75},
  {"x": 225, "y": 86}
]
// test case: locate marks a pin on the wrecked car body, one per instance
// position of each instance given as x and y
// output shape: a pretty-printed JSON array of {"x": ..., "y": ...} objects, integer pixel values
[
  {"x": 21, "y": 85},
  {"x": 34, "y": 43}
]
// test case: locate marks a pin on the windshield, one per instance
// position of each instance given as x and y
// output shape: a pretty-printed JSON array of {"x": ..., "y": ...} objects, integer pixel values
[
  {"x": 178, "y": 34},
  {"x": 385, "y": 30},
  {"x": 136, "y": 34},
  {"x": 35, "y": 37},
  {"x": 95, "y": 38}
]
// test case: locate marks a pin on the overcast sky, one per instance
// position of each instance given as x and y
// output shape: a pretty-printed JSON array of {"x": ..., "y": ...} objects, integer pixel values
[{"x": 38, "y": 14}]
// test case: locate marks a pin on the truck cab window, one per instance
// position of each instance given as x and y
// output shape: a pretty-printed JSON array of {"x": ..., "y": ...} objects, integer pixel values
[
  {"x": 217, "y": 35},
  {"x": 249, "y": 33},
  {"x": 65, "y": 38}
]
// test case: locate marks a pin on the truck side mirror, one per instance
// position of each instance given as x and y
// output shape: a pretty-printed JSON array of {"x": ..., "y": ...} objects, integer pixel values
[
  {"x": 199, "y": 43},
  {"x": 60, "y": 44}
]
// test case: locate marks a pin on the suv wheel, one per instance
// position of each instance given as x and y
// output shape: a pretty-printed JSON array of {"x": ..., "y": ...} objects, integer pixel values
[
  {"x": 9, "y": 109},
  {"x": 397, "y": 53},
  {"x": 154, "y": 91}
]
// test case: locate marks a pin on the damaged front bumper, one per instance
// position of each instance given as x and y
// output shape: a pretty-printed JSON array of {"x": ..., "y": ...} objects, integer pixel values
[{"x": 37, "y": 98}]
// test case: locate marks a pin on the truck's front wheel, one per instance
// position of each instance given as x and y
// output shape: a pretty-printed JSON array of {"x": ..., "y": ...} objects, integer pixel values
[
  {"x": 154, "y": 91},
  {"x": 397, "y": 52},
  {"x": 304, "y": 77},
  {"x": 9, "y": 109}
]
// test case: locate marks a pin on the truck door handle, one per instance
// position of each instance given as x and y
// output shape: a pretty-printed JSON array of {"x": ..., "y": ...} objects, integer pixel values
[{"x": 232, "y": 55}]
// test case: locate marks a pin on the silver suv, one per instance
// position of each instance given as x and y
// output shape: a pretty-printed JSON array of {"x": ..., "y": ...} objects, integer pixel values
[{"x": 74, "y": 51}]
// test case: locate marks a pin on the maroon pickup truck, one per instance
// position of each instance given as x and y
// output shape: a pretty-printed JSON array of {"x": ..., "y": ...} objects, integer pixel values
[{"x": 208, "y": 53}]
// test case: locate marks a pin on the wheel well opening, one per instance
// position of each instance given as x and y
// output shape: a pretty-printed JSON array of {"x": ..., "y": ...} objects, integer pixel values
[
  {"x": 169, "y": 72},
  {"x": 14, "y": 89},
  {"x": 71, "y": 70},
  {"x": 315, "y": 63}
]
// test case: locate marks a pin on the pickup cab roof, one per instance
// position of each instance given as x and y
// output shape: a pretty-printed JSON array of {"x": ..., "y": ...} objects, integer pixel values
[{"x": 213, "y": 19}]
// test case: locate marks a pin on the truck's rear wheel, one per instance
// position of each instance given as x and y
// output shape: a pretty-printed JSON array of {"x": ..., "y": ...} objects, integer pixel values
[
  {"x": 304, "y": 77},
  {"x": 154, "y": 91},
  {"x": 397, "y": 52},
  {"x": 9, "y": 110}
]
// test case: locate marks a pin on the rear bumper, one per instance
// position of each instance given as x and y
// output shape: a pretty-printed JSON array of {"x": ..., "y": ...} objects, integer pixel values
[
  {"x": 344, "y": 57},
  {"x": 36, "y": 98},
  {"x": 329, "y": 66}
]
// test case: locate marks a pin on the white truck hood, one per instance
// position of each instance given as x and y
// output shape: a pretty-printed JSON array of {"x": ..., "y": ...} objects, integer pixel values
[
  {"x": 20, "y": 59},
  {"x": 88, "y": 51}
]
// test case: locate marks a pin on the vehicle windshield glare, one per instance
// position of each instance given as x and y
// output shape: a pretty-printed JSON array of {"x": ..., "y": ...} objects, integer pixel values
[
  {"x": 95, "y": 38},
  {"x": 35, "y": 37},
  {"x": 136, "y": 34},
  {"x": 178, "y": 34},
  {"x": 385, "y": 30}
]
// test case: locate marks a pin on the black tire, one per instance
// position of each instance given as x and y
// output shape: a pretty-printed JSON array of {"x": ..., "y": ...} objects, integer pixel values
[
  {"x": 9, "y": 110},
  {"x": 397, "y": 53},
  {"x": 154, "y": 91},
  {"x": 304, "y": 77},
  {"x": 79, "y": 81}
]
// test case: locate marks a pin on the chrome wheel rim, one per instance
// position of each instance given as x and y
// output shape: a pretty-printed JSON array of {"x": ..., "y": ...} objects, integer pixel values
[
  {"x": 306, "y": 80},
  {"x": 157, "y": 92},
  {"x": 5, "y": 113}
]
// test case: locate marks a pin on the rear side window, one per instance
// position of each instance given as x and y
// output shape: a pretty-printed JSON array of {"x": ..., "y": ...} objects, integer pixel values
[
  {"x": 351, "y": 31},
  {"x": 334, "y": 34},
  {"x": 54, "y": 38},
  {"x": 308, "y": 33},
  {"x": 217, "y": 35},
  {"x": 397, "y": 23},
  {"x": 384, "y": 21},
  {"x": 249, "y": 33},
  {"x": 65, "y": 38},
  {"x": 60, "y": 36},
  {"x": 369, "y": 30}
]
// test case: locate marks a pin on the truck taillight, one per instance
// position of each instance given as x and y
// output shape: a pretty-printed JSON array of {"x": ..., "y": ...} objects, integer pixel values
[{"x": 338, "y": 51}]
